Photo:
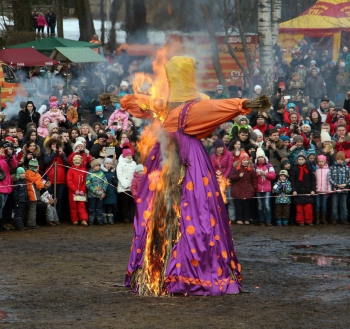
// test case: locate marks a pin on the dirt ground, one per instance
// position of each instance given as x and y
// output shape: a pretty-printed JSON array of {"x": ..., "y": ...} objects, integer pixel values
[{"x": 71, "y": 277}]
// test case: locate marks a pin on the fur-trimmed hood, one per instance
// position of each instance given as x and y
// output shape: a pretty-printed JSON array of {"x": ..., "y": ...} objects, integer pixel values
[
  {"x": 37, "y": 150},
  {"x": 50, "y": 142},
  {"x": 43, "y": 117}
]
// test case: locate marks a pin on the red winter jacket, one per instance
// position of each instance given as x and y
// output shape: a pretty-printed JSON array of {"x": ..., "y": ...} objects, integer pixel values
[
  {"x": 222, "y": 163},
  {"x": 87, "y": 158},
  {"x": 41, "y": 21},
  {"x": 76, "y": 178},
  {"x": 263, "y": 128}
]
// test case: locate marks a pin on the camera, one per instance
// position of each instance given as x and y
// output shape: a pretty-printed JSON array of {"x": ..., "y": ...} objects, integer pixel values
[
  {"x": 33, "y": 155},
  {"x": 81, "y": 151},
  {"x": 279, "y": 90}
]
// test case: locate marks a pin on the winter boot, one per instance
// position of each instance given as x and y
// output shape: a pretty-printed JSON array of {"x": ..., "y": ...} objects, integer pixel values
[
  {"x": 278, "y": 221},
  {"x": 110, "y": 219},
  {"x": 323, "y": 217},
  {"x": 317, "y": 217},
  {"x": 285, "y": 221},
  {"x": 105, "y": 221}
]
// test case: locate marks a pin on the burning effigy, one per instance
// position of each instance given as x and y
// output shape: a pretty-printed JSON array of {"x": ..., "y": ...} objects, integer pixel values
[{"x": 182, "y": 242}]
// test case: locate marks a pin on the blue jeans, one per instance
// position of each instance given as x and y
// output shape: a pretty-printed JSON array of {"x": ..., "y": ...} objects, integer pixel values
[
  {"x": 339, "y": 200},
  {"x": 321, "y": 202},
  {"x": 95, "y": 209},
  {"x": 230, "y": 206},
  {"x": 264, "y": 207},
  {"x": 3, "y": 198}
]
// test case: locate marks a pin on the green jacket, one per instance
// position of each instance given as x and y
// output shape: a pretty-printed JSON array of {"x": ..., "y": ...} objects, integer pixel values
[{"x": 96, "y": 183}]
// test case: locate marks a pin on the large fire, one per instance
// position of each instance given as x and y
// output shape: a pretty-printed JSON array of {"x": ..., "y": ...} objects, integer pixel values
[{"x": 224, "y": 183}]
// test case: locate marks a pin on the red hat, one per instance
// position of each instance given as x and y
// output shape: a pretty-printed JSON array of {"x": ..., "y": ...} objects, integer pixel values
[
  {"x": 126, "y": 152},
  {"x": 10, "y": 139},
  {"x": 243, "y": 155},
  {"x": 281, "y": 84},
  {"x": 53, "y": 99}
]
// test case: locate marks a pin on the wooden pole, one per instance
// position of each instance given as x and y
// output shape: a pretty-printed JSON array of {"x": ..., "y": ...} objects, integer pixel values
[{"x": 55, "y": 183}]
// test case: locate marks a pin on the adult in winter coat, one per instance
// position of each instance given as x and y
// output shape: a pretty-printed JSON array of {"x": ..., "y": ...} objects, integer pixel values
[
  {"x": 221, "y": 159},
  {"x": 31, "y": 150},
  {"x": 30, "y": 115},
  {"x": 125, "y": 173},
  {"x": 41, "y": 23},
  {"x": 327, "y": 148},
  {"x": 7, "y": 163},
  {"x": 76, "y": 178},
  {"x": 54, "y": 154},
  {"x": 111, "y": 196},
  {"x": 315, "y": 87}
]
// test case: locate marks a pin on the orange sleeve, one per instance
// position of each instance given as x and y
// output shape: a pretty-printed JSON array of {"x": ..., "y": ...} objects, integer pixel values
[
  {"x": 205, "y": 116},
  {"x": 132, "y": 104}
]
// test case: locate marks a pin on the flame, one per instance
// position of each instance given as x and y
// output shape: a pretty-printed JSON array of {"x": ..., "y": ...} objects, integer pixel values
[
  {"x": 155, "y": 85},
  {"x": 223, "y": 184},
  {"x": 148, "y": 140}
]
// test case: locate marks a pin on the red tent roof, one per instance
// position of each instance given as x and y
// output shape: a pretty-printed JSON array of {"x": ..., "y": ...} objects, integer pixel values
[{"x": 25, "y": 57}]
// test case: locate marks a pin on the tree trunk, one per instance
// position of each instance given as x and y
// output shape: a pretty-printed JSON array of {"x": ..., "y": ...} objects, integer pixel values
[
  {"x": 138, "y": 33},
  {"x": 214, "y": 47},
  {"x": 112, "y": 37},
  {"x": 22, "y": 17},
  {"x": 276, "y": 17},
  {"x": 86, "y": 24},
  {"x": 103, "y": 18},
  {"x": 266, "y": 46},
  {"x": 128, "y": 17},
  {"x": 59, "y": 17}
]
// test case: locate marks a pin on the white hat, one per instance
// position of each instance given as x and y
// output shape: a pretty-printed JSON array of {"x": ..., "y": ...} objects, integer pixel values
[
  {"x": 80, "y": 139},
  {"x": 76, "y": 144},
  {"x": 138, "y": 168},
  {"x": 124, "y": 83},
  {"x": 258, "y": 132},
  {"x": 325, "y": 137},
  {"x": 260, "y": 152},
  {"x": 257, "y": 87}
]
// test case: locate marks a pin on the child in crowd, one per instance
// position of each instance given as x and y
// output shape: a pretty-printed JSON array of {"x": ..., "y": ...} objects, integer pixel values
[
  {"x": 266, "y": 174},
  {"x": 259, "y": 139},
  {"x": 125, "y": 173},
  {"x": 110, "y": 200},
  {"x": 35, "y": 183},
  {"x": 20, "y": 196},
  {"x": 51, "y": 213},
  {"x": 240, "y": 122},
  {"x": 136, "y": 181},
  {"x": 282, "y": 188},
  {"x": 323, "y": 187},
  {"x": 55, "y": 113},
  {"x": 339, "y": 177},
  {"x": 311, "y": 157},
  {"x": 44, "y": 122},
  {"x": 244, "y": 182},
  {"x": 285, "y": 164},
  {"x": 303, "y": 182},
  {"x": 296, "y": 149},
  {"x": 76, "y": 183},
  {"x": 96, "y": 184},
  {"x": 119, "y": 119}
]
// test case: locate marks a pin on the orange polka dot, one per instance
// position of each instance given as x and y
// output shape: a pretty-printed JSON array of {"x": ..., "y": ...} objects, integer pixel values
[
  {"x": 217, "y": 237},
  {"x": 139, "y": 200},
  {"x": 219, "y": 208},
  {"x": 233, "y": 265},
  {"x": 185, "y": 204},
  {"x": 213, "y": 222},
  {"x": 143, "y": 224},
  {"x": 190, "y": 186},
  {"x": 188, "y": 217},
  {"x": 153, "y": 157},
  {"x": 224, "y": 254},
  {"x": 193, "y": 251},
  {"x": 232, "y": 253},
  {"x": 205, "y": 181},
  {"x": 152, "y": 186},
  {"x": 209, "y": 194},
  {"x": 178, "y": 265},
  {"x": 239, "y": 267},
  {"x": 190, "y": 229},
  {"x": 146, "y": 214},
  {"x": 219, "y": 271},
  {"x": 138, "y": 250},
  {"x": 145, "y": 170},
  {"x": 175, "y": 254},
  {"x": 194, "y": 262},
  {"x": 211, "y": 243},
  {"x": 217, "y": 193}
]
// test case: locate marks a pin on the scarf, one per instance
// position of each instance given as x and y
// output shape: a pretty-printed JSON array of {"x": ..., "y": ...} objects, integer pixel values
[{"x": 303, "y": 169}]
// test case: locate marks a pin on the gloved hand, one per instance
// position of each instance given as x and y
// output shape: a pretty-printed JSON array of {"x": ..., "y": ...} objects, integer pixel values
[
  {"x": 104, "y": 122},
  {"x": 77, "y": 192},
  {"x": 81, "y": 193}
]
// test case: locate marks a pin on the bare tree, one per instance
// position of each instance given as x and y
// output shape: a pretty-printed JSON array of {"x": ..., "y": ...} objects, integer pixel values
[
  {"x": 112, "y": 37},
  {"x": 59, "y": 17},
  {"x": 22, "y": 17},
  {"x": 266, "y": 46},
  {"x": 103, "y": 18},
  {"x": 86, "y": 24}
]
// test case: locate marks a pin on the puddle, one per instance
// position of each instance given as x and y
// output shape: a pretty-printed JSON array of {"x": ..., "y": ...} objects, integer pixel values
[{"x": 320, "y": 260}]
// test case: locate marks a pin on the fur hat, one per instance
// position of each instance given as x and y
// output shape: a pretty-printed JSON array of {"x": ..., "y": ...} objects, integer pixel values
[
  {"x": 260, "y": 152},
  {"x": 33, "y": 164},
  {"x": 325, "y": 137},
  {"x": 284, "y": 172},
  {"x": 19, "y": 171},
  {"x": 126, "y": 152},
  {"x": 284, "y": 161},
  {"x": 302, "y": 154},
  {"x": 139, "y": 168},
  {"x": 76, "y": 144},
  {"x": 77, "y": 159},
  {"x": 340, "y": 156},
  {"x": 94, "y": 163},
  {"x": 243, "y": 118}
]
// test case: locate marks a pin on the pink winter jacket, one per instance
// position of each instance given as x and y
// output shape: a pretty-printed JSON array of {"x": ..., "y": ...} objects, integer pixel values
[
  {"x": 264, "y": 182},
  {"x": 41, "y": 21},
  {"x": 123, "y": 117},
  {"x": 322, "y": 180},
  {"x": 42, "y": 130},
  {"x": 223, "y": 163},
  {"x": 6, "y": 184}
]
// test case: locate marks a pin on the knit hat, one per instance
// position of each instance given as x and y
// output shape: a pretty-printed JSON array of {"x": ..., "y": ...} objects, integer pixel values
[
  {"x": 253, "y": 136},
  {"x": 22, "y": 104},
  {"x": 281, "y": 84},
  {"x": 51, "y": 126},
  {"x": 284, "y": 161},
  {"x": 278, "y": 126},
  {"x": 10, "y": 139},
  {"x": 322, "y": 157},
  {"x": 311, "y": 107},
  {"x": 19, "y": 171},
  {"x": 340, "y": 156},
  {"x": 124, "y": 83},
  {"x": 257, "y": 87},
  {"x": 52, "y": 104},
  {"x": 316, "y": 134},
  {"x": 94, "y": 163},
  {"x": 325, "y": 137},
  {"x": 80, "y": 139},
  {"x": 139, "y": 168},
  {"x": 219, "y": 87},
  {"x": 342, "y": 117},
  {"x": 103, "y": 135},
  {"x": 298, "y": 138},
  {"x": 284, "y": 172},
  {"x": 260, "y": 152},
  {"x": 243, "y": 155},
  {"x": 284, "y": 138},
  {"x": 33, "y": 164},
  {"x": 76, "y": 144},
  {"x": 258, "y": 132},
  {"x": 218, "y": 143},
  {"x": 331, "y": 104},
  {"x": 310, "y": 151},
  {"x": 290, "y": 105},
  {"x": 53, "y": 99},
  {"x": 302, "y": 154},
  {"x": 77, "y": 159},
  {"x": 249, "y": 146},
  {"x": 126, "y": 152},
  {"x": 98, "y": 108},
  {"x": 107, "y": 160}
]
